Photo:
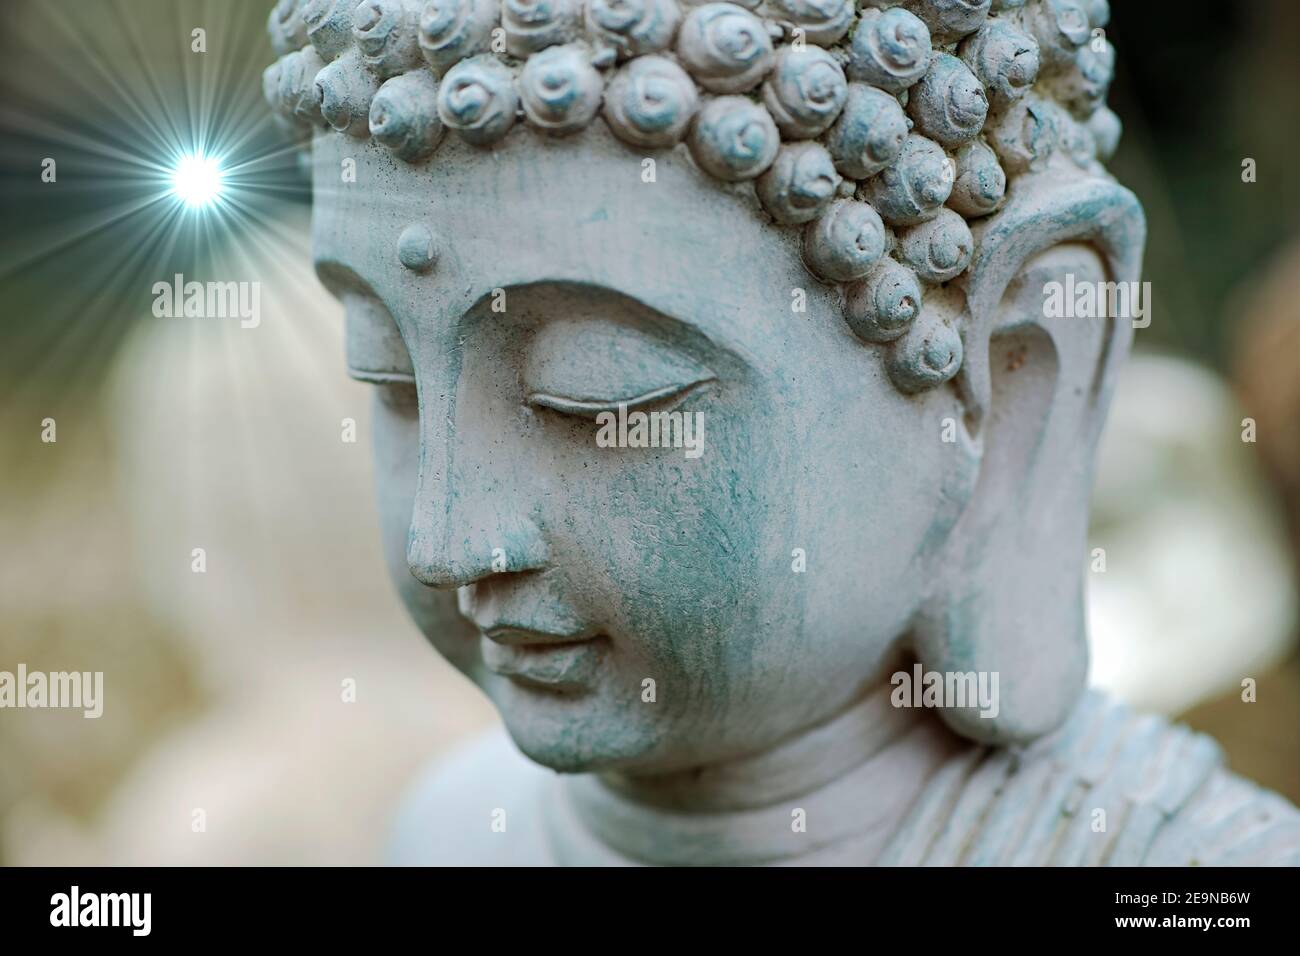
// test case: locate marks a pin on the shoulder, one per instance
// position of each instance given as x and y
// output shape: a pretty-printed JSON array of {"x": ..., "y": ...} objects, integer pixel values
[
  {"x": 480, "y": 805},
  {"x": 1109, "y": 788},
  {"x": 1230, "y": 822},
  {"x": 1167, "y": 796}
]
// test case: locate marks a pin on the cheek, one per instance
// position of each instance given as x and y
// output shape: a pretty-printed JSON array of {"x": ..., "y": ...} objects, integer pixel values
[
  {"x": 396, "y": 459},
  {"x": 797, "y": 530},
  {"x": 679, "y": 552},
  {"x": 870, "y": 519}
]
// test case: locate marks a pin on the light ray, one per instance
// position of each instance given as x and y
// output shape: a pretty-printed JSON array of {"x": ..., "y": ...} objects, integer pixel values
[{"x": 162, "y": 152}]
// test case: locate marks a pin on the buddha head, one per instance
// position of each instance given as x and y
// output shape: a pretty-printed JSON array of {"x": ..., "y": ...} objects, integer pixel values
[{"x": 812, "y": 239}]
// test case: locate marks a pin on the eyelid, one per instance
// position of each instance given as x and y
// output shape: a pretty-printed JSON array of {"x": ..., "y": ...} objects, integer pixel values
[
  {"x": 670, "y": 394},
  {"x": 584, "y": 365},
  {"x": 381, "y": 378},
  {"x": 376, "y": 352}
]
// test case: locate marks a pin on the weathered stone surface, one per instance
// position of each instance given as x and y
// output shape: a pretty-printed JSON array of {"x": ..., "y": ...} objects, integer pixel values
[{"x": 707, "y": 642}]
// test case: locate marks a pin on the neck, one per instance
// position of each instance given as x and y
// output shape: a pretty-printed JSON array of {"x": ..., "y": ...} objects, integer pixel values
[{"x": 835, "y": 792}]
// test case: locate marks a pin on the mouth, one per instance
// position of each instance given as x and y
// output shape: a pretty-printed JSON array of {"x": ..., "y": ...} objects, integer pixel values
[{"x": 543, "y": 660}]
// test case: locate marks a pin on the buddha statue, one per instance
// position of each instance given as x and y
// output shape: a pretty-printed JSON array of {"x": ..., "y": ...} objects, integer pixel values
[{"x": 815, "y": 238}]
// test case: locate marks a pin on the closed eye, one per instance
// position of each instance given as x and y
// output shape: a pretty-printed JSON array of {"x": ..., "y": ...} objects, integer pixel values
[
  {"x": 662, "y": 398},
  {"x": 585, "y": 366}
]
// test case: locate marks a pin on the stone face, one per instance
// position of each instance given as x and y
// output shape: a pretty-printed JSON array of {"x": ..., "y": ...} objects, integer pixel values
[{"x": 757, "y": 245}]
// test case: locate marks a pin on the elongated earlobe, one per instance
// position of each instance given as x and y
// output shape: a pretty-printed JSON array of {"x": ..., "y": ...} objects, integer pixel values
[
  {"x": 1008, "y": 588},
  {"x": 1010, "y": 601}
]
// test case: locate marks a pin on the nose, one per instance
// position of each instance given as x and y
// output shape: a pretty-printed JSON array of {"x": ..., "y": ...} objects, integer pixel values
[
  {"x": 446, "y": 549},
  {"x": 466, "y": 521}
]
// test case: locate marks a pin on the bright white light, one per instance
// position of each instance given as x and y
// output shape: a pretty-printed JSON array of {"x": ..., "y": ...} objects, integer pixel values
[{"x": 197, "y": 180}]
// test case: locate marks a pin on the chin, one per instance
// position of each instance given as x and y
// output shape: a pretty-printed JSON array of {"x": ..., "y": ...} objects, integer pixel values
[{"x": 571, "y": 733}]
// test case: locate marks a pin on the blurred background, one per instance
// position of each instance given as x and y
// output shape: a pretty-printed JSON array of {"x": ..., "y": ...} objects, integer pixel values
[{"x": 224, "y": 688}]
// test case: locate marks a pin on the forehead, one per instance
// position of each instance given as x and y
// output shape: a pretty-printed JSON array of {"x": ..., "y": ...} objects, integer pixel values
[{"x": 571, "y": 210}]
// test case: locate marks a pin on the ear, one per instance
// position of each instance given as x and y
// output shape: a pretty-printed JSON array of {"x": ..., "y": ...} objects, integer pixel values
[{"x": 1008, "y": 586}]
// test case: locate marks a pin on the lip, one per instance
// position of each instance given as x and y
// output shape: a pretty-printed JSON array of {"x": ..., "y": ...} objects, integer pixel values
[
  {"x": 557, "y": 662},
  {"x": 514, "y": 635}
]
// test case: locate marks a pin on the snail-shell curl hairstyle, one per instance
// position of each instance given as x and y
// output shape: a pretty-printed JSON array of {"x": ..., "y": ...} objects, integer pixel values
[{"x": 884, "y": 133}]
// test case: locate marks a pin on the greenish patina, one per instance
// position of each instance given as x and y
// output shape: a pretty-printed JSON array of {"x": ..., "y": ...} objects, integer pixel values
[{"x": 833, "y": 250}]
